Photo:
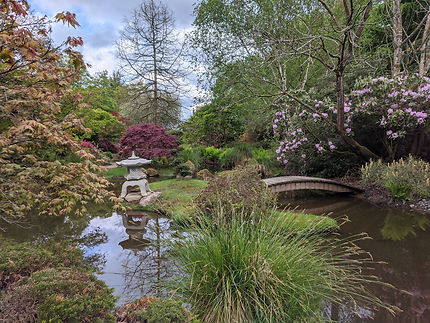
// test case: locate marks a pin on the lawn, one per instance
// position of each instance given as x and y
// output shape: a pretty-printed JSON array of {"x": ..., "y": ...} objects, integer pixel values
[{"x": 177, "y": 197}]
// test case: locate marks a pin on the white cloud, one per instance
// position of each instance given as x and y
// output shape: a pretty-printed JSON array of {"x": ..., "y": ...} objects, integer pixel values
[
  {"x": 101, "y": 59},
  {"x": 101, "y": 21}
]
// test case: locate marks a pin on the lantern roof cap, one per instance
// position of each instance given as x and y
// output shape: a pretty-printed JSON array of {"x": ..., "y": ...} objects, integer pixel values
[{"x": 133, "y": 161}]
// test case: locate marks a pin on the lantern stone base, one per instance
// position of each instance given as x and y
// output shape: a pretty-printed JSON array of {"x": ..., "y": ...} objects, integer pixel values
[
  {"x": 145, "y": 200},
  {"x": 142, "y": 183}
]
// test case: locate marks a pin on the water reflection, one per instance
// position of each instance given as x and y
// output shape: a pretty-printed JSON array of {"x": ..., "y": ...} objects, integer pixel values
[
  {"x": 398, "y": 226},
  {"x": 400, "y": 239},
  {"x": 136, "y": 254}
]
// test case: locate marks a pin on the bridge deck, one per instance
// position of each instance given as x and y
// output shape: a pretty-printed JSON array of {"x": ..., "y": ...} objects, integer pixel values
[{"x": 292, "y": 183}]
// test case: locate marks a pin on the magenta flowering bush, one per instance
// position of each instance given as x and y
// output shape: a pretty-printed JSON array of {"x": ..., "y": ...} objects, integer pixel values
[
  {"x": 148, "y": 141},
  {"x": 395, "y": 107},
  {"x": 89, "y": 147}
]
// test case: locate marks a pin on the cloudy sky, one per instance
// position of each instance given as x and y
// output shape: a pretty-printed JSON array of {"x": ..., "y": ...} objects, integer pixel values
[{"x": 101, "y": 22}]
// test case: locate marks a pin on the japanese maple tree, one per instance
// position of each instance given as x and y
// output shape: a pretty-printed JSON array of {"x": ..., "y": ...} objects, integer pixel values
[
  {"x": 34, "y": 77},
  {"x": 148, "y": 141}
]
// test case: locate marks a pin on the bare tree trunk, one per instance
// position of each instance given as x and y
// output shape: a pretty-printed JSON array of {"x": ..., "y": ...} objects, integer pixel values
[
  {"x": 154, "y": 56},
  {"x": 155, "y": 103},
  {"x": 397, "y": 37},
  {"x": 425, "y": 50},
  {"x": 340, "y": 90}
]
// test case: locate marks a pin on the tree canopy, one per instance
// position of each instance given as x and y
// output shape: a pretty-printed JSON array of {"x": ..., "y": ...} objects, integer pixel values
[{"x": 35, "y": 76}]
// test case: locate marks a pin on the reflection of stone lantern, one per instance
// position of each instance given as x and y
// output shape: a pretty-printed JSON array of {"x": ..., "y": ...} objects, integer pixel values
[{"x": 136, "y": 177}]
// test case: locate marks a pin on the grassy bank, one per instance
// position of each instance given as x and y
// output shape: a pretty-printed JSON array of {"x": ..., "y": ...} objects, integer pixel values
[{"x": 178, "y": 195}]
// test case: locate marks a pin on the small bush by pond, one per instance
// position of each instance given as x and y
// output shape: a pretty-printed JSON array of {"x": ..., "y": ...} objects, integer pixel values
[
  {"x": 154, "y": 310},
  {"x": 233, "y": 192},
  {"x": 50, "y": 282},
  {"x": 19, "y": 260},
  {"x": 58, "y": 295}
]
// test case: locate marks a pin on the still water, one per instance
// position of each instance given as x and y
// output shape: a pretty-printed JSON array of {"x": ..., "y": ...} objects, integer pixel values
[
  {"x": 132, "y": 249},
  {"x": 399, "y": 238}
]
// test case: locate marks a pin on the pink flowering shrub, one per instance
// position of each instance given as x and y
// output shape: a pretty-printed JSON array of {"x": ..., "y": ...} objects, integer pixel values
[
  {"x": 148, "y": 141},
  {"x": 378, "y": 113},
  {"x": 88, "y": 146}
]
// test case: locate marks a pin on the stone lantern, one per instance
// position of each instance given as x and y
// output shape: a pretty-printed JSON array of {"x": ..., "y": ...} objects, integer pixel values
[{"x": 135, "y": 176}]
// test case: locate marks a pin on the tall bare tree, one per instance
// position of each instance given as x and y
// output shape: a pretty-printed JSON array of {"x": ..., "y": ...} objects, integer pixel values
[
  {"x": 137, "y": 106},
  {"x": 403, "y": 40},
  {"x": 150, "y": 55}
]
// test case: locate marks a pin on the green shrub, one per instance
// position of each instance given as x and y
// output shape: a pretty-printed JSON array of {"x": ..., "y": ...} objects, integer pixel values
[
  {"x": 154, "y": 310},
  {"x": 192, "y": 154},
  {"x": 399, "y": 190},
  {"x": 266, "y": 157},
  {"x": 183, "y": 170},
  {"x": 239, "y": 191},
  {"x": 61, "y": 295},
  {"x": 238, "y": 271},
  {"x": 406, "y": 179},
  {"x": 236, "y": 155},
  {"x": 22, "y": 259},
  {"x": 213, "y": 154},
  {"x": 50, "y": 282}
]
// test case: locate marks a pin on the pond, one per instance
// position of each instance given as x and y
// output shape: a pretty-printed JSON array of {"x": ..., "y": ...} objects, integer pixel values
[
  {"x": 399, "y": 238},
  {"x": 133, "y": 256}
]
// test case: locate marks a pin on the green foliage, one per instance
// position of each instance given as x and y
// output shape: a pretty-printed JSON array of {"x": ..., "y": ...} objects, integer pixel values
[
  {"x": 406, "y": 179},
  {"x": 267, "y": 158},
  {"x": 183, "y": 169},
  {"x": 399, "y": 190},
  {"x": 101, "y": 91},
  {"x": 240, "y": 271},
  {"x": 239, "y": 191},
  {"x": 212, "y": 153},
  {"x": 193, "y": 154},
  {"x": 237, "y": 154},
  {"x": 165, "y": 311},
  {"x": 102, "y": 124},
  {"x": 18, "y": 260},
  {"x": 62, "y": 295},
  {"x": 154, "y": 310},
  {"x": 51, "y": 283},
  {"x": 213, "y": 125}
]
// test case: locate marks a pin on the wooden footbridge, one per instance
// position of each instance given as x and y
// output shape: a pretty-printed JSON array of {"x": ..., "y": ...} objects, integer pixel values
[{"x": 294, "y": 183}]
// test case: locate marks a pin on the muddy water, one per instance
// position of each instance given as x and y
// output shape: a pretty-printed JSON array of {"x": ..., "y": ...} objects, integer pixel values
[{"x": 399, "y": 238}]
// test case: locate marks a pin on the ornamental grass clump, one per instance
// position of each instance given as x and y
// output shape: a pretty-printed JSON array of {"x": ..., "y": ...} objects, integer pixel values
[
  {"x": 238, "y": 271},
  {"x": 406, "y": 178}
]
